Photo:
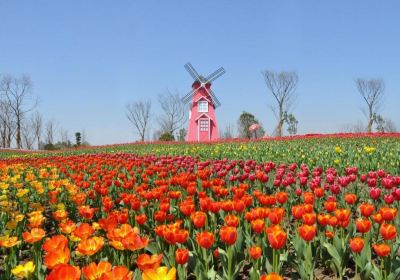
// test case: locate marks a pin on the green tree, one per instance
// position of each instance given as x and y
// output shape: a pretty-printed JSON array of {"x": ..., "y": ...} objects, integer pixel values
[
  {"x": 246, "y": 119},
  {"x": 78, "y": 138},
  {"x": 292, "y": 124},
  {"x": 167, "y": 136},
  {"x": 181, "y": 136}
]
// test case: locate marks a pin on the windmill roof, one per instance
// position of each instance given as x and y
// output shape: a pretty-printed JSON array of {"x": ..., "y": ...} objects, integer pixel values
[
  {"x": 204, "y": 115},
  {"x": 203, "y": 97}
]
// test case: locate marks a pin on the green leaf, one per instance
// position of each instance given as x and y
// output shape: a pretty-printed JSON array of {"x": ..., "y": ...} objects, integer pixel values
[
  {"x": 211, "y": 274},
  {"x": 152, "y": 248},
  {"x": 394, "y": 275},
  {"x": 335, "y": 257},
  {"x": 376, "y": 272},
  {"x": 137, "y": 274}
]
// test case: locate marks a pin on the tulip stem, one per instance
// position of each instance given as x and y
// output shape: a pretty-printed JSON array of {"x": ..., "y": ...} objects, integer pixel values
[
  {"x": 230, "y": 253},
  {"x": 355, "y": 258}
]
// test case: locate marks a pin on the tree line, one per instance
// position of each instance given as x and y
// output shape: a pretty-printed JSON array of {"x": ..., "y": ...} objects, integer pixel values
[
  {"x": 282, "y": 87},
  {"x": 22, "y": 126}
]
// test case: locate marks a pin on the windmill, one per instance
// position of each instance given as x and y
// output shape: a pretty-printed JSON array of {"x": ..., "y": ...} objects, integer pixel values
[{"x": 202, "y": 121}]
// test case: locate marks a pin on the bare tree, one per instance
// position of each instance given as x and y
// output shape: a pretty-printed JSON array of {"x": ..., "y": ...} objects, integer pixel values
[
  {"x": 28, "y": 136},
  {"x": 50, "y": 131},
  {"x": 37, "y": 126},
  {"x": 17, "y": 94},
  {"x": 64, "y": 136},
  {"x": 372, "y": 92},
  {"x": 282, "y": 86},
  {"x": 356, "y": 127},
  {"x": 228, "y": 132},
  {"x": 138, "y": 113},
  {"x": 7, "y": 124},
  {"x": 390, "y": 126},
  {"x": 174, "y": 110}
]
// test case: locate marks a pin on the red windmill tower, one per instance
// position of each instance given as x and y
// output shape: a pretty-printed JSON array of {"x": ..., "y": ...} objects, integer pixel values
[{"x": 202, "y": 121}]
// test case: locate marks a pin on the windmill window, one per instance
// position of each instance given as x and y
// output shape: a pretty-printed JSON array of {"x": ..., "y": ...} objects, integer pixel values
[
  {"x": 204, "y": 125},
  {"x": 202, "y": 107}
]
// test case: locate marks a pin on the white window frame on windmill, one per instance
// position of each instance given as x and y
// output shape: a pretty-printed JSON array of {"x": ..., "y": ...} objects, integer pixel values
[{"x": 202, "y": 106}]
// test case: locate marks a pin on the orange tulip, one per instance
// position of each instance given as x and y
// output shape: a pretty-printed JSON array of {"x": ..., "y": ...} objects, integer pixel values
[
  {"x": 228, "y": 234},
  {"x": 90, "y": 246},
  {"x": 121, "y": 232},
  {"x": 282, "y": 197},
  {"x": 350, "y": 198},
  {"x": 307, "y": 233},
  {"x": 342, "y": 215},
  {"x": 60, "y": 215},
  {"x": 65, "y": 272},
  {"x": 255, "y": 252},
  {"x": 382, "y": 250},
  {"x": 276, "y": 215},
  {"x": 388, "y": 214},
  {"x": 198, "y": 219},
  {"x": 35, "y": 235},
  {"x": 181, "y": 236},
  {"x": 86, "y": 212},
  {"x": 134, "y": 242},
  {"x": 232, "y": 220},
  {"x": 367, "y": 209},
  {"x": 257, "y": 225},
  {"x": 141, "y": 219},
  {"x": 297, "y": 211},
  {"x": 145, "y": 261},
  {"x": 388, "y": 231},
  {"x": 323, "y": 219},
  {"x": 276, "y": 237},
  {"x": 363, "y": 225},
  {"x": 117, "y": 273},
  {"x": 308, "y": 197},
  {"x": 330, "y": 206},
  {"x": 54, "y": 258},
  {"x": 377, "y": 218},
  {"x": 329, "y": 234},
  {"x": 309, "y": 218},
  {"x": 83, "y": 231},
  {"x": 356, "y": 244},
  {"x": 67, "y": 226},
  {"x": 271, "y": 276},
  {"x": 55, "y": 243},
  {"x": 94, "y": 271},
  {"x": 319, "y": 192},
  {"x": 9, "y": 242},
  {"x": 181, "y": 256},
  {"x": 35, "y": 219},
  {"x": 205, "y": 239}
]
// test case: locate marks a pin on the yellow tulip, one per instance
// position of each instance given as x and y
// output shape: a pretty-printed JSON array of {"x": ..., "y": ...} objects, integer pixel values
[
  {"x": 23, "y": 271},
  {"x": 22, "y": 192},
  {"x": 160, "y": 273}
]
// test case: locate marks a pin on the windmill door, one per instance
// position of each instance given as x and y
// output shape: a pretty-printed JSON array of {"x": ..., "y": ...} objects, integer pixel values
[{"x": 204, "y": 129}]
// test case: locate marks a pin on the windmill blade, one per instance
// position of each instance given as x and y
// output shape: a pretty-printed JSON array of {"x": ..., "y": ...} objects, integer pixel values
[
  {"x": 189, "y": 67},
  {"x": 215, "y": 99},
  {"x": 217, "y": 73},
  {"x": 189, "y": 95}
]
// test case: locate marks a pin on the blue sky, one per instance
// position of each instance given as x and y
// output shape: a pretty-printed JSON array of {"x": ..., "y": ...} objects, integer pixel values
[{"x": 87, "y": 59}]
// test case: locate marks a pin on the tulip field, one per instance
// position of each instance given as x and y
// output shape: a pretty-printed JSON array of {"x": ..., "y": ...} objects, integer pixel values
[{"x": 318, "y": 207}]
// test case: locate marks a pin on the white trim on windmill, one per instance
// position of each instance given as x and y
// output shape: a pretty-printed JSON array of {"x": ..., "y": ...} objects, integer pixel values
[
  {"x": 203, "y": 116},
  {"x": 202, "y": 97}
]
